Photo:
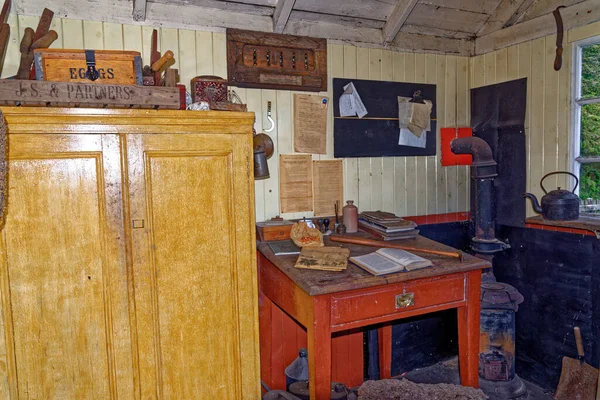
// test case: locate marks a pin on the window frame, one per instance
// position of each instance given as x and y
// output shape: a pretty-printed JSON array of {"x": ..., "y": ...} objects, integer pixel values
[{"x": 576, "y": 160}]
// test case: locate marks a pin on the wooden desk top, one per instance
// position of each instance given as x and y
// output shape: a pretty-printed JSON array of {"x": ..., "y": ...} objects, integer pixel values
[{"x": 324, "y": 282}]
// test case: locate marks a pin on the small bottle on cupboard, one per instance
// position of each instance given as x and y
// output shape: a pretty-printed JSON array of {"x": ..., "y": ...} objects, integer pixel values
[{"x": 350, "y": 217}]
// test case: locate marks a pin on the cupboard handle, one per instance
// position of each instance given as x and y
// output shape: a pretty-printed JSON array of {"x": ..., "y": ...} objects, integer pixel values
[
  {"x": 137, "y": 223},
  {"x": 405, "y": 300}
]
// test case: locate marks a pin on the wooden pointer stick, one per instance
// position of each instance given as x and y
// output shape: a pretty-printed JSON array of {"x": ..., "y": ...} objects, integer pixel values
[{"x": 376, "y": 243}]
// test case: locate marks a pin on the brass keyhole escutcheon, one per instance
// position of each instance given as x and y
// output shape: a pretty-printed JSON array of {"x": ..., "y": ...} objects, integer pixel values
[{"x": 405, "y": 300}]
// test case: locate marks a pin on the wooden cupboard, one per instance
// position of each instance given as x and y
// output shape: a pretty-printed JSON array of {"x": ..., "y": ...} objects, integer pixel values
[{"x": 128, "y": 264}]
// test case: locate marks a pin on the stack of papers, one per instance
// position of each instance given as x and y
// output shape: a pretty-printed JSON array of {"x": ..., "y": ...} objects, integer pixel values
[
  {"x": 415, "y": 122},
  {"x": 350, "y": 103}
]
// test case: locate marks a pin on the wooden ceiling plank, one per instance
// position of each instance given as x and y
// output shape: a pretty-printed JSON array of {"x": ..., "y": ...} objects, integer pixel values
[
  {"x": 501, "y": 16},
  {"x": 446, "y": 18},
  {"x": 369, "y": 9},
  {"x": 481, "y": 6},
  {"x": 583, "y": 13},
  {"x": 518, "y": 15},
  {"x": 283, "y": 9},
  {"x": 336, "y": 19},
  {"x": 401, "y": 11},
  {"x": 223, "y": 5},
  {"x": 426, "y": 30},
  {"x": 541, "y": 7},
  {"x": 139, "y": 10}
]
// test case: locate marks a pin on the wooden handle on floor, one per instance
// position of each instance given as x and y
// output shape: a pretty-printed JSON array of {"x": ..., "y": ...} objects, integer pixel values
[
  {"x": 376, "y": 243},
  {"x": 579, "y": 342}
]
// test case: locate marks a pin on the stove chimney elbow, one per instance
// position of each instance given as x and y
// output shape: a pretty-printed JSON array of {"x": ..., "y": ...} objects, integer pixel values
[{"x": 483, "y": 166}]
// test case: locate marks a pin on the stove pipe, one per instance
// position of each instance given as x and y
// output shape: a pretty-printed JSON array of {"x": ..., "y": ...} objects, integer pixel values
[
  {"x": 483, "y": 172},
  {"x": 499, "y": 301}
]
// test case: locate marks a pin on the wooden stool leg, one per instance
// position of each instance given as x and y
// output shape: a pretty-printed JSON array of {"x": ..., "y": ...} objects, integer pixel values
[
  {"x": 385, "y": 351},
  {"x": 468, "y": 332},
  {"x": 319, "y": 350}
]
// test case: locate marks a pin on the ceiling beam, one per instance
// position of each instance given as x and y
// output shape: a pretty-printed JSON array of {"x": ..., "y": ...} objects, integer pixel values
[
  {"x": 573, "y": 16},
  {"x": 283, "y": 9},
  {"x": 398, "y": 16},
  {"x": 501, "y": 16},
  {"x": 139, "y": 10}
]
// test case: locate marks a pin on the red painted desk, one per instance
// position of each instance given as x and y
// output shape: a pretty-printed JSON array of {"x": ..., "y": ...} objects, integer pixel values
[{"x": 327, "y": 302}]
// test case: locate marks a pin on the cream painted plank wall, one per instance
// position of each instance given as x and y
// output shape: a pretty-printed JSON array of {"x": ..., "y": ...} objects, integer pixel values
[
  {"x": 404, "y": 185},
  {"x": 547, "y": 120}
]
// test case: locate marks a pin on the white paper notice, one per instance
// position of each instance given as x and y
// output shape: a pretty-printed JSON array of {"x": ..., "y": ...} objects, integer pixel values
[
  {"x": 407, "y": 138},
  {"x": 350, "y": 103}
]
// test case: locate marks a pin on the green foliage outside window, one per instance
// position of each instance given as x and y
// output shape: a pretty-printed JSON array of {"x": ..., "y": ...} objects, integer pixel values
[{"x": 590, "y": 122}]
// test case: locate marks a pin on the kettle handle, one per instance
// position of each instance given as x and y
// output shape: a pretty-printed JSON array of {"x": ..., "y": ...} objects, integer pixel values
[{"x": 559, "y": 172}]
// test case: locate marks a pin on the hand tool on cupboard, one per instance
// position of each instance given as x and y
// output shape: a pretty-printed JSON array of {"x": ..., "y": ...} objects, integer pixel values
[
  {"x": 376, "y": 243},
  {"x": 577, "y": 379},
  {"x": 155, "y": 55},
  {"x": 42, "y": 29},
  {"x": 164, "y": 62}
]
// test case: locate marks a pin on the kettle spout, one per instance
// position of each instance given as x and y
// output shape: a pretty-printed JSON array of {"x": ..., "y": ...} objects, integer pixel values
[{"x": 534, "y": 202}]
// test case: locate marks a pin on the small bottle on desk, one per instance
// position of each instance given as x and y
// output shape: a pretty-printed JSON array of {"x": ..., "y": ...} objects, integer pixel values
[{"x": 350, "y": 217}]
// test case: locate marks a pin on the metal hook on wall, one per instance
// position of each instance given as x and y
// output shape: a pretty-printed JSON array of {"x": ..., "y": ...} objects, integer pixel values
[{"x": 270, "y": 118}]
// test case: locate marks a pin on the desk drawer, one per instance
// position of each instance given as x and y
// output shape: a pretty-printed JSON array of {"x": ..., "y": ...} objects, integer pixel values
[{"x": 396, "y": 298}]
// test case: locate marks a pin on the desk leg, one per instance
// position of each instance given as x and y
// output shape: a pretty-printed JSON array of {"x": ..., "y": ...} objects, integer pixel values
[
  {"x": 319, "y": 349},
  {"x": 385, "y": 351},
  {"x": 468, "y": 332}
]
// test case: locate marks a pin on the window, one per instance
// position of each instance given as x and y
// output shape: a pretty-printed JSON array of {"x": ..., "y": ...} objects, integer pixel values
[{"x": 586, "y": 122}]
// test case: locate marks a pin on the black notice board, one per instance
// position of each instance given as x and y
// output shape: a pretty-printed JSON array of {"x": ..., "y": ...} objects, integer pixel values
[{"x": 375, "y": 138}]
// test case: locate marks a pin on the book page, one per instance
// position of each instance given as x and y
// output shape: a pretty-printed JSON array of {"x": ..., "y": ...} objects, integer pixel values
[
  {"x": 376, "y": 264},
  {"x": 328, "y": 186},
  {"x": 295, "y": 183},
  {"x": 403, "y": 257},
  {"x": 310, "y": 123}
]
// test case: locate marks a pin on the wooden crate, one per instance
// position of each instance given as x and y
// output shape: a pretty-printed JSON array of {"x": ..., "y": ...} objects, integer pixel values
[
  {"x": 114, "y": 67},
  {"x": 67, "y": 94}
]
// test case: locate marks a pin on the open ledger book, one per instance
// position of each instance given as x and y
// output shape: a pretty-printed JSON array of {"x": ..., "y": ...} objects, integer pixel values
[{"x": 387, "y": 261}]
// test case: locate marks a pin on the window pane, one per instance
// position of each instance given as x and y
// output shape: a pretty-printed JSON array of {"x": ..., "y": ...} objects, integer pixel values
[
  {"x": 590, "y": 130},
  {"x": 590, "y": 71},
  {"x": 589, "y": 183}
]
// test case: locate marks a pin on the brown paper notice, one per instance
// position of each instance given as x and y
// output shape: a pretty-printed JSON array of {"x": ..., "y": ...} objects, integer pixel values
[
  {"x": 310, "y": 123},
  {"x": 328, "y": 186},
  {"x": 295, "y": 183}
]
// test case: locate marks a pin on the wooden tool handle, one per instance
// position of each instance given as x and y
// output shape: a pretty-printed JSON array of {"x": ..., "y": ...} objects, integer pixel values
[
  {"x": 579, "y": 342},
  {"x": 376, "y": 243},
  {"x": 45, "y": 41},
  {"x": 159, "y": 63}
]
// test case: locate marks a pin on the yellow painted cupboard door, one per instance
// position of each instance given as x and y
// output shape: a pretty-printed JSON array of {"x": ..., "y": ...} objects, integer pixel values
[
  {"x": 65, "y": 331},
  {"x": 191, "y": 204}
]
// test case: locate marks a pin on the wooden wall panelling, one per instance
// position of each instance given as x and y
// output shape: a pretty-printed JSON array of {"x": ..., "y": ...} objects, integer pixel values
[
  {"x": 411, "y": 162},
  {"x": 432, "y": 161},
  {"x": 421, "y": 165},
  {"x": 375, "y": 173},
  {"x": 405, "y": 185},
  {"x": 547, "y": 118},
  {"x": 461, "y": 200},
  {"x": 364, "y": 164},
  {"x": 447, "y": 183},
  {"x": 550, "y": 113},
  {"x": 400, "y": 186},
  {"x": 351, "y": 177},
  {"x": 536, "y": 155},
  {"x": 387, "y": 163}
]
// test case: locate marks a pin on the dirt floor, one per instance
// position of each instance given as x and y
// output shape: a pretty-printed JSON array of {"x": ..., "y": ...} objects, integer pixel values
[{"x": 447, "y": 372}]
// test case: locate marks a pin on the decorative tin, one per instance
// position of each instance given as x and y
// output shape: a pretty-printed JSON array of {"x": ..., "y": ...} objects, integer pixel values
[{"x": 209, "y": 88}]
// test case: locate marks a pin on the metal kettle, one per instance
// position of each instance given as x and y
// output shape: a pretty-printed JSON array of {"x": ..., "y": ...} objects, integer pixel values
[{"x": 558, "y": 205}]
